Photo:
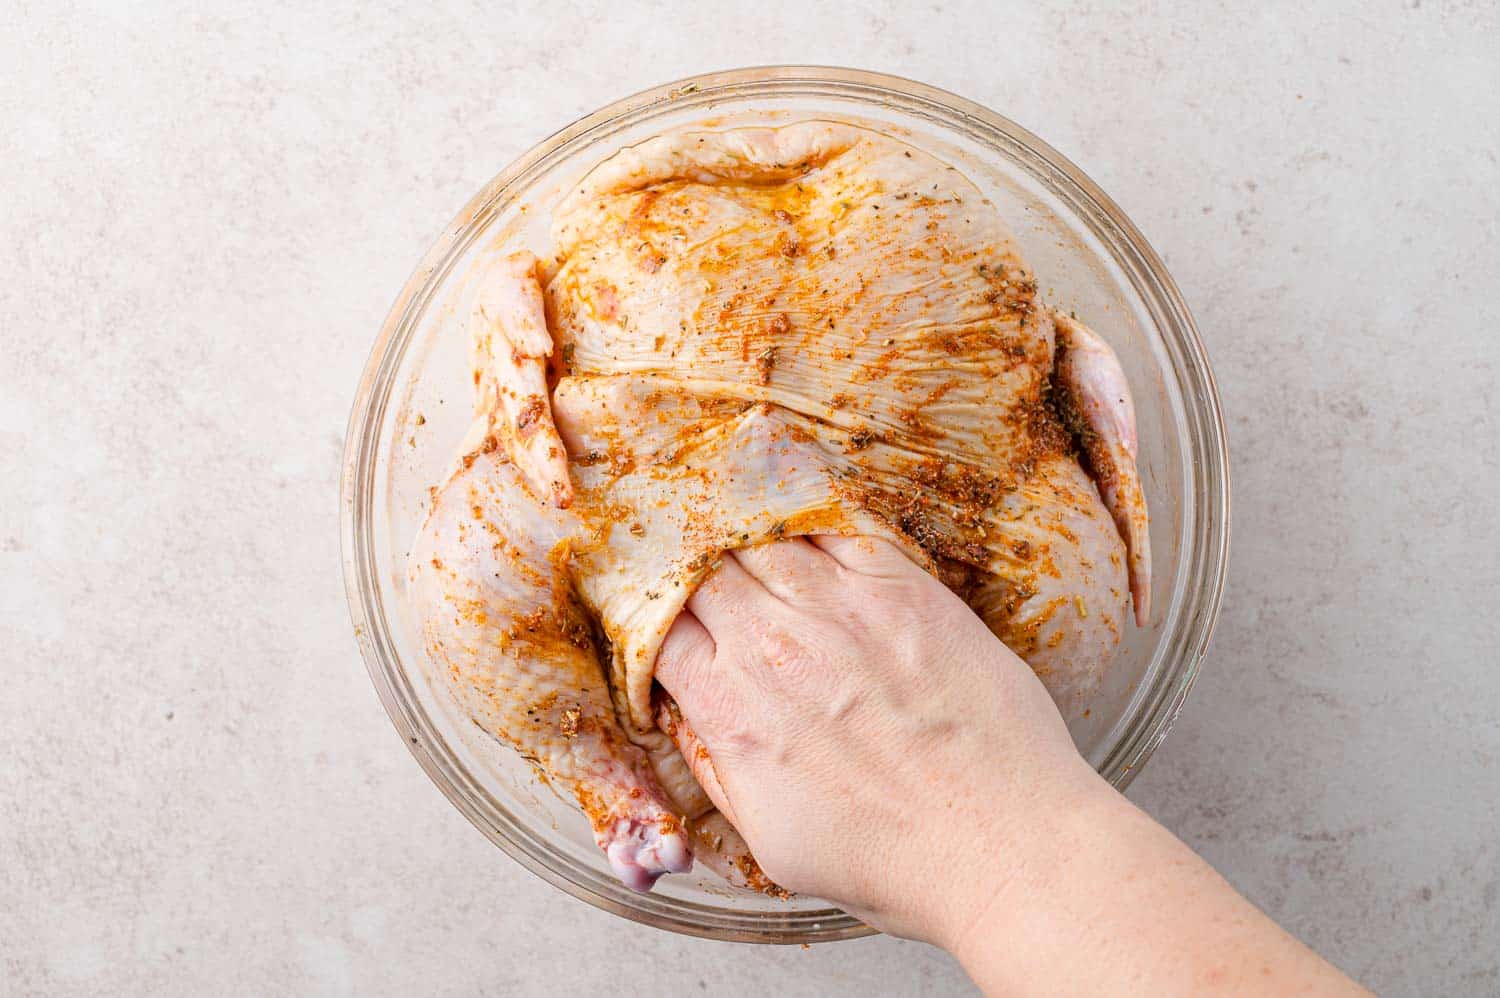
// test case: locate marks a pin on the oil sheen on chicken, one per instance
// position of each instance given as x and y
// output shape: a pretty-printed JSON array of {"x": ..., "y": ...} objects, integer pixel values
[{"x": 740, "y": 336}]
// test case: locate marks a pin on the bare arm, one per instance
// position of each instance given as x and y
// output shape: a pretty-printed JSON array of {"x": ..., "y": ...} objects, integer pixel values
[{"x": 877, "y": 746}]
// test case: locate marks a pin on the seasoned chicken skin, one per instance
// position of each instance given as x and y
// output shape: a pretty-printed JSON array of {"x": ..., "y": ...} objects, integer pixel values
[{"x": 742, "y": 336}]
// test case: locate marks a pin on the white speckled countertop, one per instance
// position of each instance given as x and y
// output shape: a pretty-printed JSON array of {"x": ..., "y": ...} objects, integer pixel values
[{"x": 205, "y": 218}]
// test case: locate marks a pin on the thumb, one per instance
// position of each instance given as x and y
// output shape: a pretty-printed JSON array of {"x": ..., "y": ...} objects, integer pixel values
[
  {"x": 683, "y": 673},
  {"x": 872, "y": 555},
  {"x": 669, "y": 718}
]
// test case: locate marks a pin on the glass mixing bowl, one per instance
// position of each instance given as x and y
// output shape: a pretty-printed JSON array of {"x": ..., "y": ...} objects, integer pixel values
[{"x": 414, "y": 404}]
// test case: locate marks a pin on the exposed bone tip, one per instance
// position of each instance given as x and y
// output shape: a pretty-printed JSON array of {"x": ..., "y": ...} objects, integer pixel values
[{"x": 641, "y": 852}]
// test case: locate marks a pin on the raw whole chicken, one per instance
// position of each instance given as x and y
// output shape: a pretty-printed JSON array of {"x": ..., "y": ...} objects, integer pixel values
[{"x": 746, "y": 335}]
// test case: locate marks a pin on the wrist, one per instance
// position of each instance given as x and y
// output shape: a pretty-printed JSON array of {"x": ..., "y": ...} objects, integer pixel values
[{"x": 1010, "y": 871}]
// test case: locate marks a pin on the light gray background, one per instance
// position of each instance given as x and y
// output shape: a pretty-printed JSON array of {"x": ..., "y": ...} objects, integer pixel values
[{"x": 203, "y": 218}]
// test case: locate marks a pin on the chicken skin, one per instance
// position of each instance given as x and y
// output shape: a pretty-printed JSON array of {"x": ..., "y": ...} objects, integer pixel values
[{"x": 743, "y": 336}]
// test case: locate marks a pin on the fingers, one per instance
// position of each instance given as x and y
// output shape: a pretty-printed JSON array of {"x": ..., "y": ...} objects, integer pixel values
[
  {"x": 865, "y": 555},
  {"x": 686, "y": 656},
  {"x": 730, "y": 600},
  {"x": 669, "y": 718},
  {"x": 786, "y": 569}
]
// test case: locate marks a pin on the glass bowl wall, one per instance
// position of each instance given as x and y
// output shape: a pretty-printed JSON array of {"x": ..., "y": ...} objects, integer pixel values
[{"x": 413, "y": 405}]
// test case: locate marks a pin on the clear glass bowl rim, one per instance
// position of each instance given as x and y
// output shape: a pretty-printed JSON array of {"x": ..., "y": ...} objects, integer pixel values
[{"x": 1206, "y": 564}]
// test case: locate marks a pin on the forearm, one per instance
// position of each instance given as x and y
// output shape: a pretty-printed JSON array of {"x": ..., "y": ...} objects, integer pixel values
[
  {"x": 1110, "y": 902},
  {"x": 882, "y": 749}
]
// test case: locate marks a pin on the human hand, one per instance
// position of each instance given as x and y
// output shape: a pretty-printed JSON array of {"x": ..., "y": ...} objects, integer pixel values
[
  {"x": 877, "y": 746},
  {"x": 864, "y": 730}
]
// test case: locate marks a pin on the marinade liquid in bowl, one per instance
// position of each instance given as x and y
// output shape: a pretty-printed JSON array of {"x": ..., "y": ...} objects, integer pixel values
[{"x": 415, "y": 399}]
